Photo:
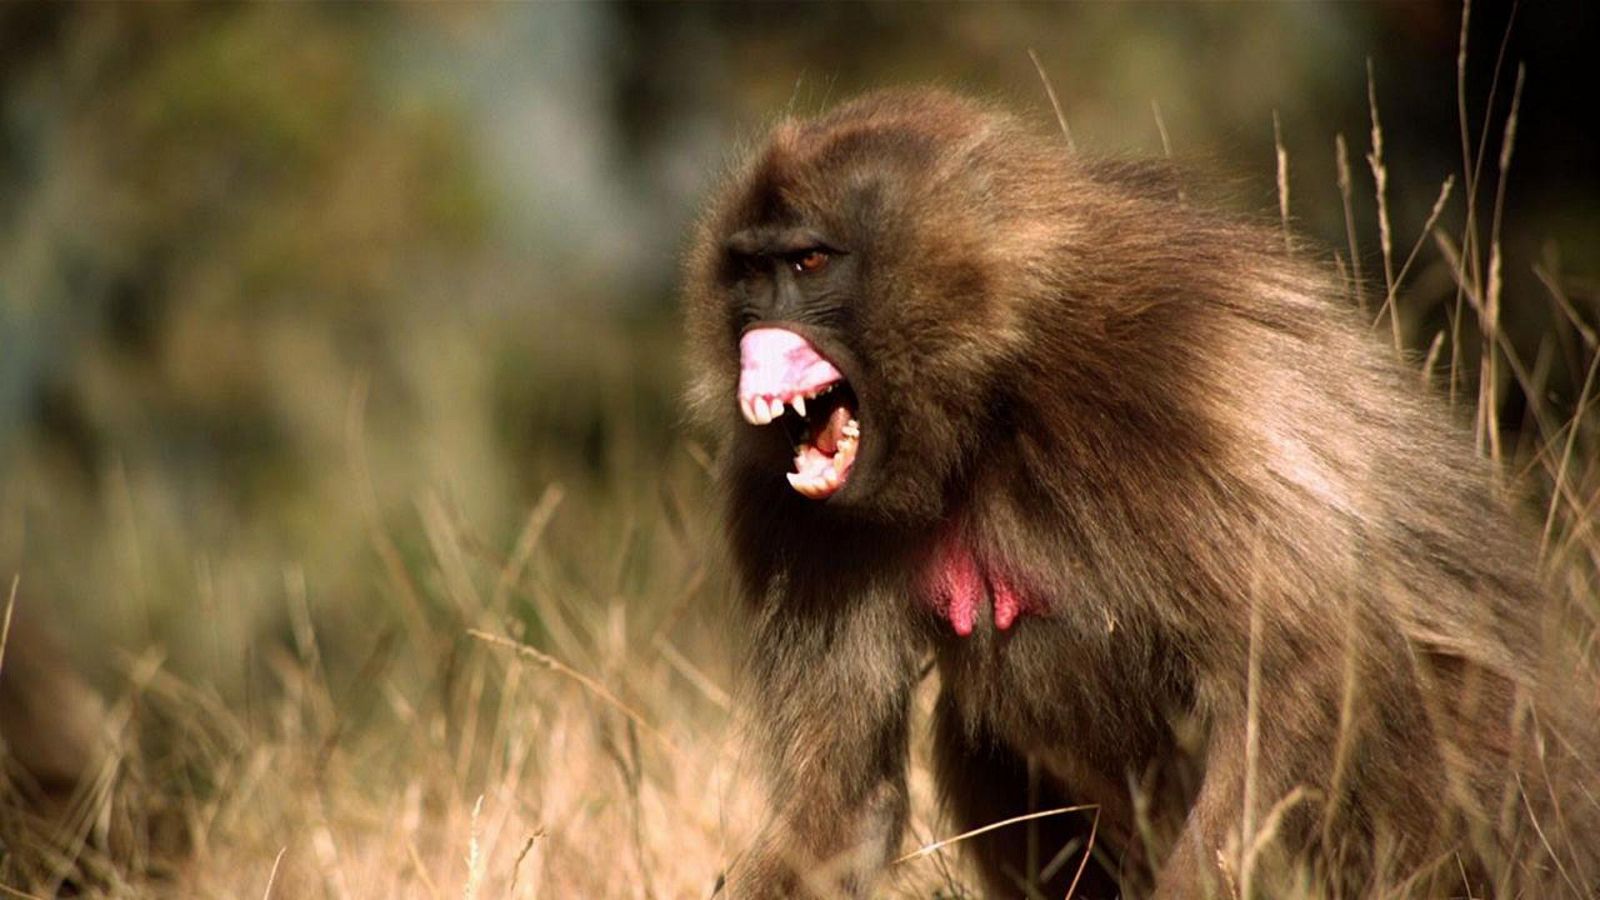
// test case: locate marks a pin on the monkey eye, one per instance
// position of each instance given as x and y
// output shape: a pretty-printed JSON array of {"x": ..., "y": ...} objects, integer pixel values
[{"x": 809, "y": 261}]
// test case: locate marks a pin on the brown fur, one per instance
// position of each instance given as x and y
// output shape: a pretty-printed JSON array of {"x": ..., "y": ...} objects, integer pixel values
[{"x": 1182, "y": 437}]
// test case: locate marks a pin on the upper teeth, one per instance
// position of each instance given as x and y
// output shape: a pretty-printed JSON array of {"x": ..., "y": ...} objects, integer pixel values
[{"x": 761, "y": 409}]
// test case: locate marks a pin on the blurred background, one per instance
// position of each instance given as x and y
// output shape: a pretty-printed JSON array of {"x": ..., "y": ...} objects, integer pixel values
[{"x": 328, "y": 332}]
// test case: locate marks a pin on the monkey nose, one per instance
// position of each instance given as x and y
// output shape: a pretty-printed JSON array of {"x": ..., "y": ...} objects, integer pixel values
[{"x": 777, "y": 363}]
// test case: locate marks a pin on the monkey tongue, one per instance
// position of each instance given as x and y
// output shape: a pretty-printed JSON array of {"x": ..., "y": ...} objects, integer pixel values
[
  {"x": 832, "y": 432},
  {"x": 777, "y": 363},
  {"x": 823, "y": 460}
]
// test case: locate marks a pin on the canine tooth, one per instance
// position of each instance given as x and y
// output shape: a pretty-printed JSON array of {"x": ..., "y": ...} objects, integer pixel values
[
  {"x": 799, "y": 404},
  {"x": 764, "y": 410}
]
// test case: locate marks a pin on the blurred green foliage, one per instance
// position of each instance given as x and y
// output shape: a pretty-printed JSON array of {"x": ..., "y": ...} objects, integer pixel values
[{"x": 275, "y": 276}]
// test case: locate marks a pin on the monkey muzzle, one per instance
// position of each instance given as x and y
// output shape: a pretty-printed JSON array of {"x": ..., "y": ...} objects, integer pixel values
[{"x": 783, "y": 378}]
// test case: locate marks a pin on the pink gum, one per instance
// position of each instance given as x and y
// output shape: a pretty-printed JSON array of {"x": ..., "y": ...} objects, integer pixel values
[{"x": 776, "y": 362}]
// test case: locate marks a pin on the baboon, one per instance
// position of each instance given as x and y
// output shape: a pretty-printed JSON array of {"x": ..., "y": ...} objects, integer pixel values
[{"x": 1189, "y": 548}]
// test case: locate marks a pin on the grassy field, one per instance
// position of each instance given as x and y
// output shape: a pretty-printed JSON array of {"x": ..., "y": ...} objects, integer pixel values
[
  {"x": 475, "y": 640},
  {"x": 440, "y": 712}
]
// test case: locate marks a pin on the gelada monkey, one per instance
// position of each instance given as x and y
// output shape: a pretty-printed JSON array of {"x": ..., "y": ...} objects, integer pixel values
[{"x": 1191, "y": 550}]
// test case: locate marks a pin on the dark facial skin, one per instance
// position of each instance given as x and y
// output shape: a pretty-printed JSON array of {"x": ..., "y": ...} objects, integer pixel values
[
  {"x": 1187, "y": 546},
  {"x": 801, "y": 279}
]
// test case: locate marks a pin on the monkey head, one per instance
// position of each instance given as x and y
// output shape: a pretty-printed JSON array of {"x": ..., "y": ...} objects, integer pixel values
[{"x": 843, "y": 308}]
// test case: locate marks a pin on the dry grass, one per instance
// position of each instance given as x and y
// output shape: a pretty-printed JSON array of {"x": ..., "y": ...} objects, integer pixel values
[{"x": 453, "y": 757}]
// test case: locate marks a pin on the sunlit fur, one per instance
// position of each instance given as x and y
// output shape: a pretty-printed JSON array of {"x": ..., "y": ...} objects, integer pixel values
[{"x": 1178, "y": 435}]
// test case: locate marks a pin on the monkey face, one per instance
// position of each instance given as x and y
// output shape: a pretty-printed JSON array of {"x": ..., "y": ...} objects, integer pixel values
[
  {"x": 845, "y": 276},
  {"x": 792, "y": 293}
]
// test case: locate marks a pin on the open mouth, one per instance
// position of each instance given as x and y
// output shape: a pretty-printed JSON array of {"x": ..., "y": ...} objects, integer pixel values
[{"x": 784, "y": 379}]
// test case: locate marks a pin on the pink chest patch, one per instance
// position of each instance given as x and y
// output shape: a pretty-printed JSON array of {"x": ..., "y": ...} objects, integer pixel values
[{"x": 958, "y": 583}]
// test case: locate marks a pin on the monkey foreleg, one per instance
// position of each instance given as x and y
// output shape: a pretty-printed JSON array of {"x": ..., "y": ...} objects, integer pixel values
[
  {"x": 830, "y": 717},
  {"x": 1247, "y": 825}
]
